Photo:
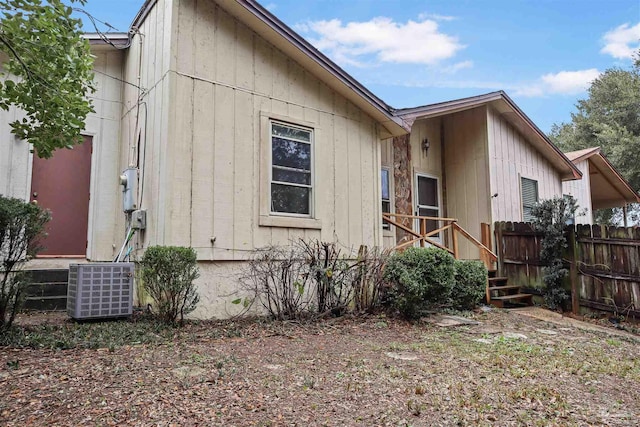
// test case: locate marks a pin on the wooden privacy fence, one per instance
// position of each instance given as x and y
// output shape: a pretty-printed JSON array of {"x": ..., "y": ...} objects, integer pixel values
[{"x": 604, "y": 264}]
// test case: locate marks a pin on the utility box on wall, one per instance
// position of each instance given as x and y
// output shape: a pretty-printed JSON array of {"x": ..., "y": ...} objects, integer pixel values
[
  {"x": 129, "y": 182},
  {"x": 139, "y": 219},
  {"x": 100, "y": 290}
]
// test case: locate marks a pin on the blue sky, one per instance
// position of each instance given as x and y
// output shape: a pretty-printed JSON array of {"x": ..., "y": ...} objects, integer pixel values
[{"x": 543, "y": 53}]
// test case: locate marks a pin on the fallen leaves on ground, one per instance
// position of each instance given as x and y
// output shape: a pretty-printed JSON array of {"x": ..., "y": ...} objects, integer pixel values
[{"x": 374, "y": 371}]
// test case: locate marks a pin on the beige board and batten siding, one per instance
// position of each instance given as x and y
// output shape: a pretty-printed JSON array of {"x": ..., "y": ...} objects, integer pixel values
[
  {"x": 429, "y": 162},
  {"x": 103, "y": 126},
  {"x": 15, "y": 160},
  {"x": 581, "y": 191},
  {"x": 227, "y": 82},
  {"x": 512, "y": 157},
  {"x": 467, "y": 173},
  {"x": 148, "y": 98}
]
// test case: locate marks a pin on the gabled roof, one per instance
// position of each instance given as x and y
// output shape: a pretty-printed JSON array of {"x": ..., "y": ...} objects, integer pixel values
[
  {"x": 264, "y": 23},
  {"x": 512, "y": 113},
  {"x": 609, "y": 189}
]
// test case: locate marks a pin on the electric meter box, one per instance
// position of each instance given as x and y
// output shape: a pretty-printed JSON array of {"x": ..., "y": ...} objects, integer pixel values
[{"x": 129, "y": 182}]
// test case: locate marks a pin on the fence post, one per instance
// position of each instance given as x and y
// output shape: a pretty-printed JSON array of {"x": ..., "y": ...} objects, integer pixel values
[
  {"x": 485, "y": 231},
  {"x": 498, "y": 228},
  {"x": 573, "y": 271}
]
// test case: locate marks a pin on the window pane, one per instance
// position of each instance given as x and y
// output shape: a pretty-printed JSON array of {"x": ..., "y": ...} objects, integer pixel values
[
  {"x": 290, "y": 132},
  {"x": 291, "y": 154},
  {"x": 286, "y": 198},
  {"x": 385, "y": 184},
  {"x": 427, "y": 191},
  {"x": 386, "y": 208},
  {"x": 285, "y": 175}
]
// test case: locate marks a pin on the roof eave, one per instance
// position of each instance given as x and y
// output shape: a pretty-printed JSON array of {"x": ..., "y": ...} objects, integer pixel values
[
  {"x": 603, "y": 164},
  {"x": 107, "y": 40},
  {"x": 567, "y": 169}
]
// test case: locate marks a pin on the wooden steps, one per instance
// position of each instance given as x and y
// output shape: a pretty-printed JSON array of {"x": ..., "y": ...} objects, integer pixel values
[
  {"x": 47, "y": 290},
  {"x": 501, "y": 294}
]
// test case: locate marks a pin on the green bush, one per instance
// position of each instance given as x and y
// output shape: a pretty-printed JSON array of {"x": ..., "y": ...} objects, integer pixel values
[
  {"x": 470, "y": 284},
  {"x": 421, "y": 279},
  {"x": 167, "y": 273},
  {"x": 21, "y": 227}
]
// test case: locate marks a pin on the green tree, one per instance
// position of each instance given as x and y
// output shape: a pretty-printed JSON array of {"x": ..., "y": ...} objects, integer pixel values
[
  {"x": 47, "y": 72},
  {"x": 610, "y": 119},
  {"x": 550, "y": 217}
]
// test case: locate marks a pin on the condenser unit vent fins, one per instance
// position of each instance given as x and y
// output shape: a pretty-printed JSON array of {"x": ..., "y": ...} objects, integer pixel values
[{"x": 100, "y": 290}]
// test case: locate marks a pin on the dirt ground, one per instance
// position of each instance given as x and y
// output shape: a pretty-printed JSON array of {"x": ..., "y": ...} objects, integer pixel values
[{"x": 508, "y": 368}]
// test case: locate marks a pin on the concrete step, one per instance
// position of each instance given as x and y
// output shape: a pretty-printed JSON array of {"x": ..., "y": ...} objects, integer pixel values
[
  {"x": 47, "y": 290},
  {"x": 60, "y": 275},
  {"x": 51, "y": 303}
]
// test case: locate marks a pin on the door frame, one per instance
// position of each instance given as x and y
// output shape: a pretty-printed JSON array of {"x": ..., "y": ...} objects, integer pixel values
[{"x": 416, "y": 206}]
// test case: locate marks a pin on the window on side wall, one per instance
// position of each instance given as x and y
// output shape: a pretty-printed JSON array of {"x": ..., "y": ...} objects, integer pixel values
[
  {"x": 386, "y": 196},
  {"x": 572, "y": 220},
  {"x": 529, "y": 197},
  {"x": 291, "y": 183}
]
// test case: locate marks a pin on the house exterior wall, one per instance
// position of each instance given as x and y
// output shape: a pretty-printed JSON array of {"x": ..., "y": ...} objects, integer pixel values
[
  {"x": 581, "y": 191},
  {"x": 224, "y": 83},
  {"x": 210, "y": 87},
  {"x": 15, "y": 161},
  {"x": 104, "y": 127},
  {"x": 466, "y": 160},
  {"x": 149, "y": 102},
  {"x": 512, "y": 157},
  {"x": 431, "y": 162}
]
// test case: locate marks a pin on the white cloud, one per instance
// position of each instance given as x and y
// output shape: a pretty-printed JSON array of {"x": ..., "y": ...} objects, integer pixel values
[
  {"x": 454, "y": 68},
  {"x": 436, "y": 17},
  {"x": 387, "y": 41},
  {"x": 561, "y": 83},
  {"x": 622, "y": 41},
  {"x": 271, "y": 7}
]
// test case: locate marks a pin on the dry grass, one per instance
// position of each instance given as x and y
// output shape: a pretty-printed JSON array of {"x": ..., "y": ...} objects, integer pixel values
[{"x": 373, "y": 371}]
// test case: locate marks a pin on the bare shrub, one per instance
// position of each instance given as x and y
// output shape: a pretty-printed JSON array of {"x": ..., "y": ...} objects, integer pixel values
[
  {"x": 278, "y": 278},
  {"x": 313, "y": 277},
  {"x": 369, "y": 283}
]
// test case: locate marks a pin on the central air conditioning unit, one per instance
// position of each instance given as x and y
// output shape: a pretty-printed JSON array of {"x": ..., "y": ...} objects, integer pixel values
[{"x": 100, "y": 290}]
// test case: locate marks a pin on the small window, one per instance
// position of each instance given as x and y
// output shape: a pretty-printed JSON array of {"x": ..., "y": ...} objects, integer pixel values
[
  {"x": 572, "y": 220},
  {"x": 529, "y": 197},
  {"x": 386, "y": 196},
  {"x": 291, "y": 169}
]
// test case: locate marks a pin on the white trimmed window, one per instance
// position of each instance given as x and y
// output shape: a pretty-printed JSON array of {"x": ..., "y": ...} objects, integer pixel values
[
  {"x": 291, "y": 183},
  {"x": 529, "y": 197},
  {"x": 386, "y": 196}
]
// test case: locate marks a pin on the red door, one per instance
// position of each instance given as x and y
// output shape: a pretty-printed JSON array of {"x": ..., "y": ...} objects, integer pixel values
[{"x": 61, "y": 184}]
